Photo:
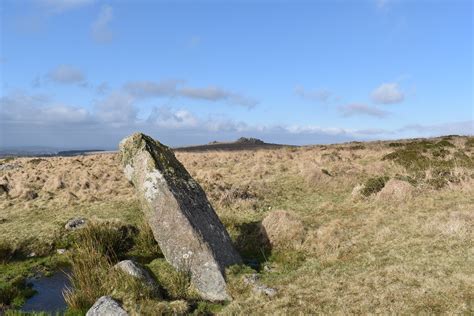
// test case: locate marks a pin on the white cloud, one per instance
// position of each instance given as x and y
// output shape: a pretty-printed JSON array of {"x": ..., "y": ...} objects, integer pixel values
[
  {"x": 116, "y": 108},
  {"x": 321, "y": 95},
  {"x": 170, "y": 118},
  {"x": 100, "y": 27},
  {"x": 38, "y": 109},
  {"x": 67, "y": 74},
  {"x": 37, "y": 119},
  {"x": 60, "y": 6},
  {"x": 388, "y": 93},
  {"x": 362, "y": 109}
]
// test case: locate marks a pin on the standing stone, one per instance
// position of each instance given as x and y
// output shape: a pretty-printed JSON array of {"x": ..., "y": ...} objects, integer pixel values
[{"x": 183, "y": 221}]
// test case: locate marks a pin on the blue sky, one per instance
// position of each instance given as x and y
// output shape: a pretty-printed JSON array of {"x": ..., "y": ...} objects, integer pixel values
[{"x": 85, "y": 73}]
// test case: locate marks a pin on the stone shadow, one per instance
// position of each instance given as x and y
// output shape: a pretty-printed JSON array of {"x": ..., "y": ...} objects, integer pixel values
[{"x": 252, "y": 243}]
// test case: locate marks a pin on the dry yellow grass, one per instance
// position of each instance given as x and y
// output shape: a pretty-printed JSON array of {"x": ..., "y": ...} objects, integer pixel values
[{"x": 411, "y": 253}]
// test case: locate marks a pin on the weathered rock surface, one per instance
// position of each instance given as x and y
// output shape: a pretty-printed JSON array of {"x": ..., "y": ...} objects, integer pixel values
[
  {"x": 130, "y": 267},
  {"x": 106, "y": 306},
  {"x": 183, "y": 222}
]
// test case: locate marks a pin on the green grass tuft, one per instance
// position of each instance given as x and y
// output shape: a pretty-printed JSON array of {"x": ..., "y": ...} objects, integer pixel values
[{"x": 374, "y": 185}]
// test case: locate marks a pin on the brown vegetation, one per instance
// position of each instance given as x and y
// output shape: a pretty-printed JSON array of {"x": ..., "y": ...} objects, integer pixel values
[{"x": 401, "y": 247}]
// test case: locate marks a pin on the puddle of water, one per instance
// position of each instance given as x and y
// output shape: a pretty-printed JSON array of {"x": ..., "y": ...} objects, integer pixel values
[{"x": 49, "y": 297}]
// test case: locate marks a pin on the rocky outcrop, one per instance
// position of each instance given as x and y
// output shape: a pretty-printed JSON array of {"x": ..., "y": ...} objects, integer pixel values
[
  {"x": 106, "y": 306},
  {"x": 250, "y": 140},
  {"x": 183, "y": 221}
]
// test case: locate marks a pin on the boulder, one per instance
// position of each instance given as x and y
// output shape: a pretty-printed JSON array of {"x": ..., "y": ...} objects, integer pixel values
[
  {"x": 282, "y": 230},
  {"x": 183, "y": 222},
  {"x": 130, "y": 267},
  {"x": 106, "y": 306}
]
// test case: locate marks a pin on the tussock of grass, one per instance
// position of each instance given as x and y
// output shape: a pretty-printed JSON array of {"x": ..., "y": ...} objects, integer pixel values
[
  {"x": 469, "y": 142},
  {"x": 374, "y": 185},
  {"x": 176, "y": 283},
  {"x": 145, "y": 247},
  {"x": 92, "y": 273}
]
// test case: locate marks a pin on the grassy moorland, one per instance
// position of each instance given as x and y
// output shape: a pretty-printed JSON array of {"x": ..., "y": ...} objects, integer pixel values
[{"x": 381, "y": 227}]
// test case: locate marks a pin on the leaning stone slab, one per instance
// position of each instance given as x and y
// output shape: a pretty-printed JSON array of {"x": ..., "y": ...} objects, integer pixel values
[
  {"x": 183, "y": 222},
  {"x": 130, "y": 267},
  {"x": 106, "y": 306}
]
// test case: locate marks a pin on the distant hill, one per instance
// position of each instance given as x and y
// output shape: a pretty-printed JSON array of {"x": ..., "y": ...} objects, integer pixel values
[
  {"x": 44, "y": 152},
  {"x": 243, "y": 143}
]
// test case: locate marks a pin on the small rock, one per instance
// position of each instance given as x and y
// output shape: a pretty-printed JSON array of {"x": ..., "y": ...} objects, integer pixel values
[
  {"x": 60, "y": 251},
  {"x": 75, "y": 223},
  {"x": 267, "y": 268},
  {"x": 5, "y": 167},
  {"x": 106, "y": 306},
  {"x": 257, "y": 287},
  {"x": 30, "y": 195},
  {"x": 31, "y": 255},
  {"x": 130, "y": 267}
]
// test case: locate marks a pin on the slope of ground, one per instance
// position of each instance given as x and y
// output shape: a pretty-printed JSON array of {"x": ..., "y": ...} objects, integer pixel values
[{"x": 388, "y": 226}]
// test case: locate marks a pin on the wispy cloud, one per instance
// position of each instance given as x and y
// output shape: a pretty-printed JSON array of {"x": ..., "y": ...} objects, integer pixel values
[
  {"x": 194, "y": 41},
  {"x": 321, "y": 95},
  {"x": 213, "y": 93},
  {"x": 388, "y": 93},
  {"x": 101, "y": 31},
  {"x": 461, "y": 128},
  {"x": 362, "y": 109},
  {"x": 66, "y": 74},
  {"x": 60, "y": 6},
  {"x": 172, "y": 88},
  {"x": 382, "y": 4},
  {"x": 151, "y": 89}
]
